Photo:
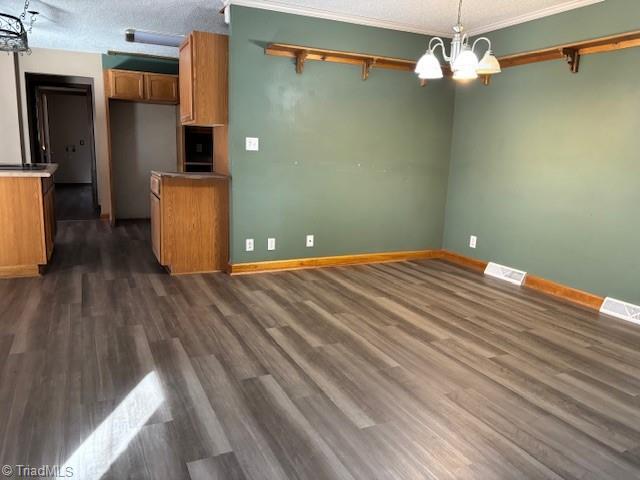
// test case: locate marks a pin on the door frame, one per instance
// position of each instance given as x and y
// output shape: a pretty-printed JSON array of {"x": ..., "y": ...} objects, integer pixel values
[{"x": 36, "y": 87}]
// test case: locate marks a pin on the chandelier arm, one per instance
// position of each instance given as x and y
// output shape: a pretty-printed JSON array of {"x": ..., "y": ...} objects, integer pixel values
[
  {"x": 473, "y": 48},
  {"x": 439, "y": 43}
]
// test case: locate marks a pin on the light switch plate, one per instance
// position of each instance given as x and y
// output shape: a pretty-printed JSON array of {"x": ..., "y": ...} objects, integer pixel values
[
  {"x": 271, "y": 243},
  {"x": 248, "y": 244},
  {"x": 473, "y": 241},
  {"x": 310, "y": 240},
  {"x": 252, "y": 144}
]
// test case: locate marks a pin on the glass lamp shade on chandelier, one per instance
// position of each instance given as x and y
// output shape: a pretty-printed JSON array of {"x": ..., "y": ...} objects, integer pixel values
[{"x": 462, "y": 57}]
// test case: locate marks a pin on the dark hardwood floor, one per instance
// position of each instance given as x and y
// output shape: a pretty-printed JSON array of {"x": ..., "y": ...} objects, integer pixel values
[
  {"x": 74, "y": 201},
  {"x": 416, "y": 370}
]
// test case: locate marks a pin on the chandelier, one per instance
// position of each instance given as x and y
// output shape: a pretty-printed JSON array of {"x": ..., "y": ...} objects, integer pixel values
[
  {"x": 13, "y": 34},
  {"x": 462, "y": 57}
]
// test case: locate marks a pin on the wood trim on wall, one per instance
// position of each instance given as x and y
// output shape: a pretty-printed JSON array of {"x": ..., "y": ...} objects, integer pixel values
[
  {"x": 464, "y": 261},
  {"x": 334, "y": 261},
  {"x": 539, "y": 284},
  {"x": 548, "y": 287},
  {"x": 572, "y": 295}
]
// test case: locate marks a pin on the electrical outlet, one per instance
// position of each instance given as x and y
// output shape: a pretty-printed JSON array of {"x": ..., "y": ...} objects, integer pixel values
[
  {"x": 252, "y": 144},
  {"x": 248, "y": 244},
  {"x": 473, "y": 241},
  {"x": 309, "y": 241},
  {"x": 271, "y": 243}
]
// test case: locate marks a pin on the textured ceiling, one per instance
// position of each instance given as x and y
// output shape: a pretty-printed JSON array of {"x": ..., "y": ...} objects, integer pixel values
[{"x": 98, "y": 26}]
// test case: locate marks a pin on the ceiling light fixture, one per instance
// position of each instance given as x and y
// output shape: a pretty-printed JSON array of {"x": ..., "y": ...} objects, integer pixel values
[
  {"x": 462, "y": 57},
  {"x": 13, "y": 33},
  {"x": 153, "y": 38}
]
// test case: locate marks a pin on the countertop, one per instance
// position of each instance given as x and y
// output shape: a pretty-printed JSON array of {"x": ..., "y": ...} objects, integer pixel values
[
  {"x": 189, "y": 175},
  {"x": 47, "y": 172}
]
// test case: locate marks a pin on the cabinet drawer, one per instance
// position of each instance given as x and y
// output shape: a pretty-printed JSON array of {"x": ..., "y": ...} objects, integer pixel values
[{"x": 155, "y": 185}]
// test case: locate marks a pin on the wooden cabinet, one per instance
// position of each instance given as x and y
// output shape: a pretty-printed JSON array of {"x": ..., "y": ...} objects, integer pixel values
[
  {"x": 142, "y": 86},
  {"x": 190, "y": 222},
  {"x": 161, "y": 88},
  {"x": 186, "y": 71},
  {"x": 27, "y": 224},
  {"x": 204, "y": 59},
  {"x": 125, "y": 85},
  {"x": 49, "y": 217},
  {"x": 155, "y": 226}
]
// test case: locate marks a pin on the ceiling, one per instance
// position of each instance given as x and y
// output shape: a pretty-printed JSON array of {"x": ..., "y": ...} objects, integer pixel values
[{"x": 98, "y": 25}]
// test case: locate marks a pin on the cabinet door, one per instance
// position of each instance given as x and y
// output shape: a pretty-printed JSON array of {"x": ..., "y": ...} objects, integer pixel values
[
  {"x": 187, "y": 76},
  {"x": 49, "y": 221},
  {"x": 125, "y": 85},
  {"x": 161, "y": 88},
  {"x": 156, "y": 227}
]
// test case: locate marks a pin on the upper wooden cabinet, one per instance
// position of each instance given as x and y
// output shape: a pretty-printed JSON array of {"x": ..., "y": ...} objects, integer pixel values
[
  {"x": 125, "y": 85},
  {"x": 204, "y": 59},
  {"x": 161, "y": 88},
  {"x": 142, "y": 86}
]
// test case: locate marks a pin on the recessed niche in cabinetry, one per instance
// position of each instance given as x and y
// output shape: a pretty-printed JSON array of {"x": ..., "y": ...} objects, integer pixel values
[{"x": 198, "y": 149}]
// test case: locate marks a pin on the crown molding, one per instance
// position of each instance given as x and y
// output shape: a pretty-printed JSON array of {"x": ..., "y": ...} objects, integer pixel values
[
  {"x": 405, "y": 27},
  {"x": 545, "y": 12},
  {"x": 338, "y": 17}
]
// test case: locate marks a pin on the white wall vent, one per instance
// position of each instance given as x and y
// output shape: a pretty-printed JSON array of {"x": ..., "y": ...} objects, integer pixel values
[
  {"x": 507, "y": 274},
  {"x": 620, "y": 309}
]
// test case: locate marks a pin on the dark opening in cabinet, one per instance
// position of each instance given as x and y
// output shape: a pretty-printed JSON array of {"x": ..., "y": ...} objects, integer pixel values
[{"x": 198, "y": 149}]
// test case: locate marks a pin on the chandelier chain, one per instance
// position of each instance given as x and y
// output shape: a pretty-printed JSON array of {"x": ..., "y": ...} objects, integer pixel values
[
  {"x": 23, "y": 15},
  {"x": 459, "y": 13}
]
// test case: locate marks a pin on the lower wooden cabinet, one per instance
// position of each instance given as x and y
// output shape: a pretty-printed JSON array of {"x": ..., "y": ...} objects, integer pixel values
[
  {"x": 190, "y": 222},
  {"x": 27, "y": 224},
  {"x": 156, "y": 227},
  {"x": 50, "y": 224}
]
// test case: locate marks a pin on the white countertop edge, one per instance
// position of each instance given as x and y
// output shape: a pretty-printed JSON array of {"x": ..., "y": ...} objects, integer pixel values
[{"x": 47, "y": 172}]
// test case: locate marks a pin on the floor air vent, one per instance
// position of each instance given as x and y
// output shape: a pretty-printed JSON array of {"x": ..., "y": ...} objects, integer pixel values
[
  {"x": 507, "y": 274},
  {"x": 620, "y": 309}
]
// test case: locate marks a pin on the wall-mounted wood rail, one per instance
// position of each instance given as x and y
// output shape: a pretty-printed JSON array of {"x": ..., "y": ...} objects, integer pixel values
[
  {"x": 571, "y": 52},
  {"x": 365, "y": 61}
]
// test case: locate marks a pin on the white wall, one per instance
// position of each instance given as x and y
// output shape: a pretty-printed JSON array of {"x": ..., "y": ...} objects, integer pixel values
[
  {"x": 61, "y": 62},
  {"x": 143, "y": 138},
  {"x": 70, "y": 136},
  {"x": 10, "y": 151}
]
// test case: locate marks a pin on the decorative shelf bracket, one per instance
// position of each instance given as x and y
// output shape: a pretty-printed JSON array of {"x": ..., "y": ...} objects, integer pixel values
[
  {"x": 572, "y": 57},
  {"x": 366, "y": 68},
  {"x": 301, "y": 57}
]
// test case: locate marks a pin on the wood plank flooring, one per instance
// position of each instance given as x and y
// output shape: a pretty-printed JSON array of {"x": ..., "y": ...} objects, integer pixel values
[{"x": 413, "y": 370}]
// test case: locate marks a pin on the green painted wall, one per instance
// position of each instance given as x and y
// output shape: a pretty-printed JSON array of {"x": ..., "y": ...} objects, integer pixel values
[
  {"x": 140, "y": 63},
  {"x": 545, "y": 165},
  {"x": 361, "y": 165}
]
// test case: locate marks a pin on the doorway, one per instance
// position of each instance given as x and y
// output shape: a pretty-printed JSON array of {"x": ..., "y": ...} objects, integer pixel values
[{"x": 60, "y": 112}]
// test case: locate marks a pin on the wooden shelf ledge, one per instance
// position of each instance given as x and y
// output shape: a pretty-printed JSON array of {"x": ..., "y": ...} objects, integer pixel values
[
  {"x": 571, "y": 52},
  {"x": 366, "y": 61}
]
